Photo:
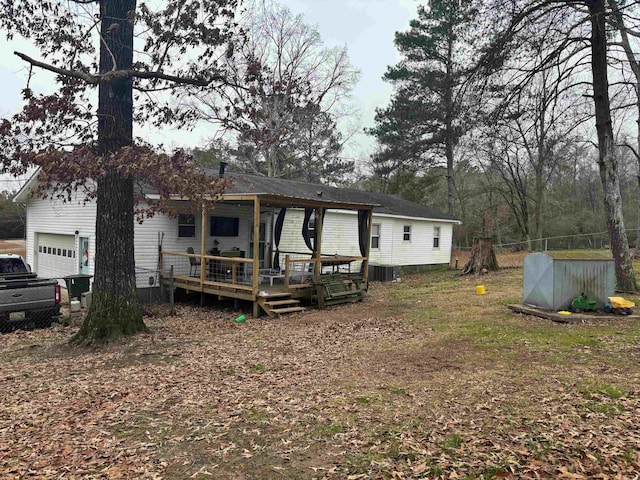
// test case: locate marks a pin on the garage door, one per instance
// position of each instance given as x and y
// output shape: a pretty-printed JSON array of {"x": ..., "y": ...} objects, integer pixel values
[{"x": 56, "y": 255}]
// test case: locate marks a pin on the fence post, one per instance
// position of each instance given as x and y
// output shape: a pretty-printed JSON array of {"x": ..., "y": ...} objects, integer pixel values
[{"x": 171, "y": 302}]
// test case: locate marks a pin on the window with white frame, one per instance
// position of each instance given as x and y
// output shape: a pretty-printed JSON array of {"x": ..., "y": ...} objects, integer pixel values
[
  {"x": 186, "y": 225},
  {"x": 436, "y": 237},
  {"x": 375, "y": 235},
  {"x": 406, "y": 235}
]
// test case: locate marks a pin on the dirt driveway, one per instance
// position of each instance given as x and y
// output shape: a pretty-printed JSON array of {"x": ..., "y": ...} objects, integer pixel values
[{"x": 13, "y": 246}]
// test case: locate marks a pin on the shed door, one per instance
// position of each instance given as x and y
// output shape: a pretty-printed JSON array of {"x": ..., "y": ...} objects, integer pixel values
[{"x": 56, "y": 255}]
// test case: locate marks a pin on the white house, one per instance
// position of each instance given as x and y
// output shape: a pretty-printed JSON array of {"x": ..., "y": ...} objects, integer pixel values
[{"x": 61, "y": 236}]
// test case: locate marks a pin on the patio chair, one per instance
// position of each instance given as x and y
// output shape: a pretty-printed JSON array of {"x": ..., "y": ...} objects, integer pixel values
[{"x": 194, "y": 263}]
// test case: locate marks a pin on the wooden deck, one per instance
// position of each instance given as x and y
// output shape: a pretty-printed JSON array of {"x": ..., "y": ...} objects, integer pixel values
[{"x": 275, "y": 291}]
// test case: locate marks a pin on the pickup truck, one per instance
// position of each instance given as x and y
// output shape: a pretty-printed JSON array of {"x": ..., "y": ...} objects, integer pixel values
[{"x": 25, "y": 299}]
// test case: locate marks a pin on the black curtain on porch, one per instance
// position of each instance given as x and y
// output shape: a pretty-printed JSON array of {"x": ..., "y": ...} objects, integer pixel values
[
  {"x": 313, "y": 246},
  {"x": 277, "y": 234},
  {"x": 363, "y": 232},
  {"x": 305, "y": 230}
]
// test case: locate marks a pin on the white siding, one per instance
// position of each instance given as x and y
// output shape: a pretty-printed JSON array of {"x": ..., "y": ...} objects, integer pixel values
[
  {"x": 384, "y": 254},
  {"x": 419, "y": 250},
  {"x": 340, "y": 235},
  {"x": 146, "y": 234},
  {"x": 56, "y": 217},
  {"x": 340, "y": 227}
]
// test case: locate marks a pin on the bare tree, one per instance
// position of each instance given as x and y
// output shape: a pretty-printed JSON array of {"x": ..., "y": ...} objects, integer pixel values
[
  {"x": 580, "y": 30},
  {"x": 288, "y": 92},
  {"x": 627, "y": 43}
]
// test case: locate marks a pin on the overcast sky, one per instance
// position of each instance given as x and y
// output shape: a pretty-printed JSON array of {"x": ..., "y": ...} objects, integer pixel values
[{"x": 366, "y": 27}]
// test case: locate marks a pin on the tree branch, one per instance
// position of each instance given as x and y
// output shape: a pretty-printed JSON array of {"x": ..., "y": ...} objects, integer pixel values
[
  {"x": 633, "y": 150},
  {"x": 118, "y": 75},
  {"x": 87, "y": 77}
]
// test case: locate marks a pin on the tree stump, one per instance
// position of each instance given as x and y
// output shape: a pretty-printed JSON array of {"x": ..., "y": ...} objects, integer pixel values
[{"x": 482, "y": 259}]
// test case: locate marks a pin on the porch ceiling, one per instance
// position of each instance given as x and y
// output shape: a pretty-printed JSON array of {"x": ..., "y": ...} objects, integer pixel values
[{"x": 285, "y": 201}]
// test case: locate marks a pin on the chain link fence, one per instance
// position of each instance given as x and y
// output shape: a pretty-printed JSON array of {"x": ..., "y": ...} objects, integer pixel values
[
  {"x": 154, "y": 286},
  {"x": 581, "y": 241},
  {"x": 586, "y": 241}
]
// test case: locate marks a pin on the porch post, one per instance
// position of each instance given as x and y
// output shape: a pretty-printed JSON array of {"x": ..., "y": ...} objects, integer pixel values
[
  {"x": 256, "y": 254},
  {"x": 203, "y": 247},
  {"x": 319, "y": 222}
]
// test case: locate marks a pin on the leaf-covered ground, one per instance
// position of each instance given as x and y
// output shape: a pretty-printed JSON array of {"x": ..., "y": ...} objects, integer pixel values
[{"x": 424, "y": 379}]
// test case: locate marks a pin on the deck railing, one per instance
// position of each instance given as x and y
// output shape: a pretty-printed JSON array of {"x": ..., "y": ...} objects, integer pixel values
[
  {"x": 237, "y": 273},
  {"x": 218, "y": 270},
  {"x": 301, "y": 271}
]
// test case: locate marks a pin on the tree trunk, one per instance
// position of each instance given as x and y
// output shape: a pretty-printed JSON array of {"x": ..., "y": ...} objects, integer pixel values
[
  {"x": 635, "y": 68},
  {"x": 636, "y": 252},
  {"x": 114, "y": 308},
  {"x": 607, "y": 159},
  {"x": 450, "y": 135},
  {"x": 482, "y": 259}
]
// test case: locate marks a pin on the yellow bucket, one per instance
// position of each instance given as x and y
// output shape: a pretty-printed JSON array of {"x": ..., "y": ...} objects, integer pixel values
[{"x": 480, "y": 290}]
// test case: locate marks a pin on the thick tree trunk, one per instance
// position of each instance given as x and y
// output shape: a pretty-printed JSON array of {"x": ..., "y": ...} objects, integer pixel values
[
  {"x": 450, "y": 180},
  {"x": 482, "y": 259},
  {"x": 635, "y": 68},
  {"x": 114, "y": 308},
  {"x": 539, "y": 185},
  {"x": 636, "y": 252},
  {"x": 607, "y": 160},
  {"x": 450, "y": 135}
]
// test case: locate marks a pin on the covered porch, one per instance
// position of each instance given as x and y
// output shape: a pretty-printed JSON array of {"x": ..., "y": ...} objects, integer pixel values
[{"x": 255, "y": 269}]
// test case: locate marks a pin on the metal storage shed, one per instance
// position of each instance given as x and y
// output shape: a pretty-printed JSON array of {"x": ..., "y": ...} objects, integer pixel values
[{"x": 553, "y": 279}]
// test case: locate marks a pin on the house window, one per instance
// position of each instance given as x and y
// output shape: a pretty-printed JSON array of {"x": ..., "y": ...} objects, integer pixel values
[
  {"x": 436, "y": 237},
  {"x": 375, "y": 235},
  {"x": 406, "y": 235},
  {"x": 186, "y": 225}
]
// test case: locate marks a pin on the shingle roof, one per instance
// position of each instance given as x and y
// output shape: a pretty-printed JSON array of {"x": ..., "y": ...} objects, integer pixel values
[
  {"x": 384, "y": 204},
  {"x": 254, "y": 184}
]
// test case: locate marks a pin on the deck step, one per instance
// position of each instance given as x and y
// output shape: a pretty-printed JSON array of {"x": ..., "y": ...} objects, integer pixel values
[
  {"x": 275, "y": 303},
  {"x": 279, "y": 304},
  {"x": 280, "y": 311},
  {"x": 276, "y": 295}
]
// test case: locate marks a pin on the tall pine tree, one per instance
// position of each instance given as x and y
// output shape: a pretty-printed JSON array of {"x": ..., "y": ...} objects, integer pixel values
[{"x": 429, "y": 111}]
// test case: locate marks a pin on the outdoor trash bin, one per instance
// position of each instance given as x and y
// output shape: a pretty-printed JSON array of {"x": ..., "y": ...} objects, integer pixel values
[{"x": 77, "y": 285}]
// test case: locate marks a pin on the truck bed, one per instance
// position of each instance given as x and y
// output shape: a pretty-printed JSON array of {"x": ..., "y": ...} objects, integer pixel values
[{"x": 26, "y": 299}]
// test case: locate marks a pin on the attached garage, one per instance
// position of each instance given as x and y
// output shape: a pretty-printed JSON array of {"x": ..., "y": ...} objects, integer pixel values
[{"x": 56, "y": 255}]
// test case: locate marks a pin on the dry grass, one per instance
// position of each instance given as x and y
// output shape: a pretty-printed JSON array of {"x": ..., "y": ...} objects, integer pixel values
[
  {"x": 424, "y": 379},
  {"x": 13, "y": 246}
]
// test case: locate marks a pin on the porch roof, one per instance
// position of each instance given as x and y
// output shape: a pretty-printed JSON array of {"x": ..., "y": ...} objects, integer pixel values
[
  {"x": 290, "y": 192},
  {"x": 281, "y": 192}
]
